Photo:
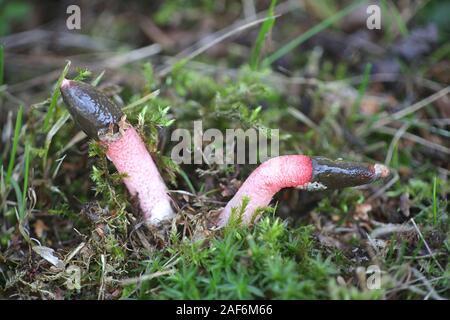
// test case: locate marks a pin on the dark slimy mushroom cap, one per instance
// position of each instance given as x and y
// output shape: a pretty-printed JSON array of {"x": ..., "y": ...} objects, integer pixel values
[
  {"x": 92, "y": 110},
  {"x": 335, "y": 174}
]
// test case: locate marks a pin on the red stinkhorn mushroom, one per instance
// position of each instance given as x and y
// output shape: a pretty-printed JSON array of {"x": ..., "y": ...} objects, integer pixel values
[
  {"x": 102, "y": 120},
  {"x": 310, "y": 173}
]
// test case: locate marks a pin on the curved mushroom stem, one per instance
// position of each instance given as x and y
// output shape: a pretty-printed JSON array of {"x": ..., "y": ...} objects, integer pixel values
[
  {"x": 309, "y": 173},
  {"x": 102, "y": 120},
  {"x": 130, "y": 156}
]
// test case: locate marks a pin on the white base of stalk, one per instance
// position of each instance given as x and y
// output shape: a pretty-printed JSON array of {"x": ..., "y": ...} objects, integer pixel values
[{"x": 161, "y": 212}]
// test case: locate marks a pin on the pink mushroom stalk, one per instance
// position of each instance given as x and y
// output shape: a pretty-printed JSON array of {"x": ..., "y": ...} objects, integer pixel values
[
  {"x": 103, "y": 120},
  {"x": 299, "y": 171}
]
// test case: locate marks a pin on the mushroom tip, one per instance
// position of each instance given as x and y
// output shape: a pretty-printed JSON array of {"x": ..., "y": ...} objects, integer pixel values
[
  {"x": 381, "y": 171},
  {"x": 339, "y": 174},
  {"x": 65, "y": 83}
]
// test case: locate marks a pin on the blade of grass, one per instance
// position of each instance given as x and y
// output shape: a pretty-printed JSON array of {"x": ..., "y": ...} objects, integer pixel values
[
  {"x": 426, "y": 244},
  {"x": 26, "y": 172},
  {"x": 20, "y": 210},
  {"x": 400, "y": 23},
  {"x": 265, "y": 29},
  {"x": 19, "y": 198},
  {"x": 21, "y": 195},
  {"x": 12, "y": 157},
  {"x": 434, "y": 201},
  {"x": 52, "y": 132},
  {"x": 180, "y": 60},
  {"x": 361, "y": 91},
  {"x": 2, "y": 181},
  {"x": 410, "y": 109},
  {"x": 388, "y": 34},
  {"x": 310, "y": 33},
  {"x": 97, "y": 80},
  {"x": 188, "y": 182},
  {"x": 2, "y": 55},
  {"x": 55, "y": 96},
  {"x": 142, "y": 100},
  {"x": 398, "y": 18}
]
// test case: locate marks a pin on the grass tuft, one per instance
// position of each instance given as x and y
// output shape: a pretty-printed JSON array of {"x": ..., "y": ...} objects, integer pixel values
[
  {"x": 54, "y": 99},
  {"x": 310, "y": 33},
  {"x": 15, "y": 142},
  {"x": 265, "y": 29},
  {"x": 2, "y": 63}
]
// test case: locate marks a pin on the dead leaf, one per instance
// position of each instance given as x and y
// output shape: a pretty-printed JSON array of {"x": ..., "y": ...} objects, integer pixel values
[{"x": 48, "y": 254}]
